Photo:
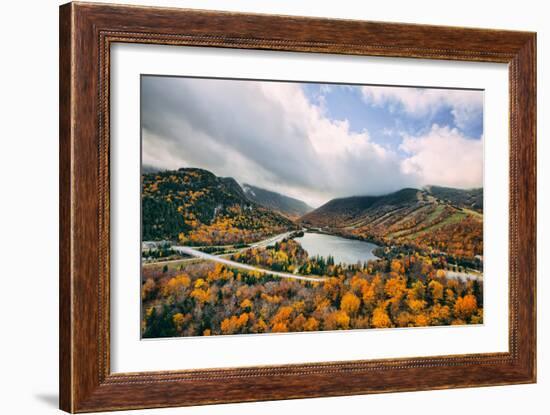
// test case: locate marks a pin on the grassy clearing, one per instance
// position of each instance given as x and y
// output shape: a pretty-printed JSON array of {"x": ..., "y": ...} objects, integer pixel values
[
  {"x": 404, "y": 219},
  {"x": 454, "y": 218},
  {"x": 436, "y": 213},
  {"x": 171, "y": 265},
  {"x": 477, "y": 215}
]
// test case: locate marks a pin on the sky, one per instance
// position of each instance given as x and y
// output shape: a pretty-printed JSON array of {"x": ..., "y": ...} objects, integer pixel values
[{"x": 314, "y": 142}]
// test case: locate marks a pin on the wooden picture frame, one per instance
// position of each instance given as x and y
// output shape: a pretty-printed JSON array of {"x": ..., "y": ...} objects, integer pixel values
[{"x": 86, "y": 33}]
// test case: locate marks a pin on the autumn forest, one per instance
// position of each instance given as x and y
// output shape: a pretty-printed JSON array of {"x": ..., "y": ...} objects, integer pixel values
[
  {"x": 284, "y": 206},
  {"x": 218, "y": 259}
]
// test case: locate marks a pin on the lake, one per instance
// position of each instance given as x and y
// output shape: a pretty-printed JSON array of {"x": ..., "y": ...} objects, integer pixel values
[{"x": 347, "y": 251}]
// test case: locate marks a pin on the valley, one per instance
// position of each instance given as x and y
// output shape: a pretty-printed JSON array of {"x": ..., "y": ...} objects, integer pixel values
[
  {"x": 415, "y": 217},
  {"x": 221, "y": 258}
]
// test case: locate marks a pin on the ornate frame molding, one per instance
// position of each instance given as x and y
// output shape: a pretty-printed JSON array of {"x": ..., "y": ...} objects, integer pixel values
[{"x": 86, "y": 34}]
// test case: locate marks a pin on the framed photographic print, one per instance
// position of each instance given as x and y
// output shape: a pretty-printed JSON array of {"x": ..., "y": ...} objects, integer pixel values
[{"x": 260, "y": 207}]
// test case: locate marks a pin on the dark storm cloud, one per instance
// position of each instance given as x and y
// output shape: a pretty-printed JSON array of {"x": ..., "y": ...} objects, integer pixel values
[
  {"x": 263, "y": 133},
  {"x": 207, "y": 118}
]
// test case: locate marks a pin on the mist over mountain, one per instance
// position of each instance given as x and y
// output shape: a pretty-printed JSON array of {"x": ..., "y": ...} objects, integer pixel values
[
  {"x": 472, "y": 198},
  {"x": 197, "y": 207},
  {"x": 285, "y": 205},
  {"x": 148, "y": 168}
]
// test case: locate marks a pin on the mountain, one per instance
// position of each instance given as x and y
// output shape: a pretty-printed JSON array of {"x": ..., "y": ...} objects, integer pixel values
[
  {"x": 285, "y": 205},
  {"x": 342, "y": 211},
  {"x": 147, "y": 168},
  {"x": 445, "y": 219},
  {"x": 469, "y": 198},
  {"x": 200, "y": 208}
]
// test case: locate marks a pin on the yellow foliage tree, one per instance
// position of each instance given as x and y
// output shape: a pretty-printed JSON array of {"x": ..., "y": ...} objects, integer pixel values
[
  {"x": 175, "y": 287},
  {"x": 421, "y": 320},
  {"x": 260, "y": 326},
  {"x": 202, "y": 296},
  {"x": 311, "y": 324},
  {"x": 299, "y": 306},
  {"x": 279, "y": 328},
  {"x": 478, "y": 317},
  {"x": 332, "y": 288},
  {"x": 368, "y": 294},
  {"x": 395, "y": 287},
  {"x": 247, "y": 304},
  {"x": 350, "y": 303},
  {"x": 404, "y": 319},
  {"x": 436, "y": 289},
  {"x": 148, "y": 289},
  {"x": 337, "y": 320},
  {"x": 465, "y": 306},
  {"x": 416, "y": 306},
  {"x": 397, "y": 266},
  {"x": 439, "y": 314},
  {"x": 179, "y": 321},
  {"x": 298, "y": 323},
  {"x": 417, "y": 291},
  {"x": 282, "y": 315},
  {"x": 380, "y": 318},
  {"x": 234, "y": 324}
]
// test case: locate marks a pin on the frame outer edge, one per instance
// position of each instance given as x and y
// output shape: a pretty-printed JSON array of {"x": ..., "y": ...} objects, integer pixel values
[
  {"x": 523, "y": 111},
  {"x": 82, "y": 389},
  {"x": 534, "y": 172},
  {"x": 66, "y": 120},
  {"x": 528, "y": 98}
]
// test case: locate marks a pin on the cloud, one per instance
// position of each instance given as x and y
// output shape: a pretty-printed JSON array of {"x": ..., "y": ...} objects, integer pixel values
[
  {"x": 271, "y": 135},
  {"x": 444, "y": 157},
  {"x": 466, "y": 106}
]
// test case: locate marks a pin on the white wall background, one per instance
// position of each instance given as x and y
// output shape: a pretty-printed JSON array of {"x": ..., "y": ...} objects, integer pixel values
[{"x": 29, "y": 205}]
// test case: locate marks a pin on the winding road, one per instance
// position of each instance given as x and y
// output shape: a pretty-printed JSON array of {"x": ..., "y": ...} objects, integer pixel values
[{"x": 193, "y": 252}]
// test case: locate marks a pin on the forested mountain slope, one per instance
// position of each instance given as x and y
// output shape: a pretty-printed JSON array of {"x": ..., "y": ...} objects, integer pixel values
[
  {"x": 447, "y": 220},
  {"x": 200, "y": 208}
]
